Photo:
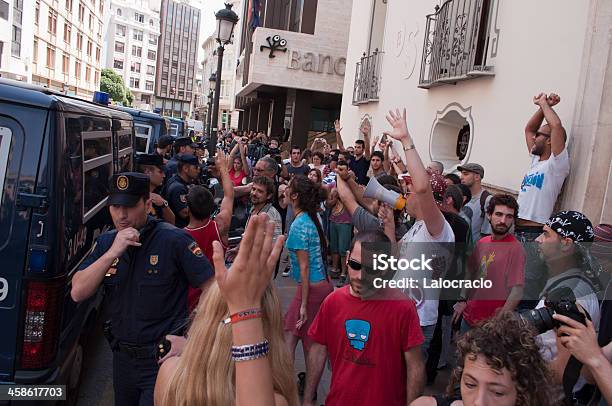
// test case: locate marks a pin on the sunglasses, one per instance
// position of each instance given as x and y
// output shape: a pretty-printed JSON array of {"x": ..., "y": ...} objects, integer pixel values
[
  {"x": 354, "y": 264},
  {"x": 538, "y": 133}
]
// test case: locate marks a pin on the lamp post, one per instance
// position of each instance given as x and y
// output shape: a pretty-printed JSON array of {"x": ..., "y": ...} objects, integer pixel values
[
  {"x": 226, "y": 21},
  {"x": 211, "y": 81}
]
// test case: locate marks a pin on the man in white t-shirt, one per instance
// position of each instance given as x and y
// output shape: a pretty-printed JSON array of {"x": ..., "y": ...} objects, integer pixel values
[
  {"x": 540, "y": 186},
  {"x": 430, "y": 235}
]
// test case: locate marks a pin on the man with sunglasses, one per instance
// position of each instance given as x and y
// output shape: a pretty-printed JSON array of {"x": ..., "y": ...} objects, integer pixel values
[
  {"x": 540, "y": 186},
  {"x": 372, "y": 338}
]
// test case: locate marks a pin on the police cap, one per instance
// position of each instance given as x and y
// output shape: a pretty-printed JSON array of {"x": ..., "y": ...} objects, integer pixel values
[
  {"x": 164, "y": 141},
  {"x": 150, "y": 159},
  {"x": 127, "y": 188},
  {"x": 184, "y": 141},
  {"x": 188, "y": 159}
]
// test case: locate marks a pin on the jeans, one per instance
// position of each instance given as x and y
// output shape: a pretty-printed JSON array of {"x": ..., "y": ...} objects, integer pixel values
[{"x": 428, "y": 333}]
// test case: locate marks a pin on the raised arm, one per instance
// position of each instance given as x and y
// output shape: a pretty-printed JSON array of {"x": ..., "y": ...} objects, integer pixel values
[
  {"x": 338, "y": 129},
  {"x": 557, "y": 132},
  {"x": 243, "y": 157},
  {"x": 533, "y": 124},
  {"x": 224, "y": 217},
  {"x": 365, "y": 130},
  {"x": 344, "y": 191},
  {"x": 434, "y": 220},
  {"x": 387, "y": 162}
]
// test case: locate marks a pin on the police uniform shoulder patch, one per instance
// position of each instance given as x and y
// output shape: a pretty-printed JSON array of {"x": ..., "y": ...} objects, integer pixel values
[
  {"x": 154, "y": 259},
  {"x": 183, "y": 198},
  {"x": 195, "y": 249}
]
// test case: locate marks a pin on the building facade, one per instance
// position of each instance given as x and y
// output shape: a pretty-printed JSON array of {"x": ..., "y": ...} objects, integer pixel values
[
  {"x": 291, "y": 67},
  {"x": 16, "y": 33},
  {"x": 467, "y": 71},
  {"x": 67, "y": 45},
  {"x": 132, "y": 39},
  {"x": 177, "y": 58}
]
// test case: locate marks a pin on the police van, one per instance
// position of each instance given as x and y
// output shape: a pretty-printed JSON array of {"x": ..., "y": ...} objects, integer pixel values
[
  {"x": 149, "y": 127},
  {"x": 56, "y": 155},
  {"x": 177, "y": 127}
]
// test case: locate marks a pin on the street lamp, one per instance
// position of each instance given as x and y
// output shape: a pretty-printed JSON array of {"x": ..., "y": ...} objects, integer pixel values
[
  {"x": 226, "y": 21},
  {"x": 211, "y": 81}
]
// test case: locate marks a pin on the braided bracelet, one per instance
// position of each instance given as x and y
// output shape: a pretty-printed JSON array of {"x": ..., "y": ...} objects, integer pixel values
[{"x": 250, "y": 351}]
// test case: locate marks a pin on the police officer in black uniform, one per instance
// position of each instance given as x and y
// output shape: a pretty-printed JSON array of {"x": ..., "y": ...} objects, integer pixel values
[
  {"x": 146, "y": 264},
  {"x": 152, "y": 165},
  {"x": 182, "y": 145},
  {"x": 178, "y": 187}
]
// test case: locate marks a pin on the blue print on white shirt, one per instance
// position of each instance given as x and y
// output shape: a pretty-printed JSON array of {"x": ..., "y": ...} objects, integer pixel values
[{"x": 536, "y": 179}]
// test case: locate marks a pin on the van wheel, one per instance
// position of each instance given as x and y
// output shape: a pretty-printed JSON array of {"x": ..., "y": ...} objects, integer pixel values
[{"x": 72, "y": 386}]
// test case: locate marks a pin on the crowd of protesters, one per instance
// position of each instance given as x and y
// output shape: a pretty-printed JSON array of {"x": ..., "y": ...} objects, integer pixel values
[{"x": 314, "y": 215}]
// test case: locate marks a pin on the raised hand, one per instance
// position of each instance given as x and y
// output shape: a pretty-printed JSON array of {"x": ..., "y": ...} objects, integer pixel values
[
  {"x": 337, "y": 126},
  {"x": 540, "y": 99},
  {"x": 221, "y": 161},
  {"x": 400, "y": 127},
  {"x": 553, "y": 99},
  {"x": 128, "y": 237},
  {"x": 244, "y": 284}
]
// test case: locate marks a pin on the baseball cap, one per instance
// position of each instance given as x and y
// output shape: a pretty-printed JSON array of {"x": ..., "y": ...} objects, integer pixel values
[
  {"x": 188, "y": 159},
  {"x": 184, "y": 141},
  {"x": 438, "y": 187},
  {"x": 475, "y": 168},
  {"x": 150, "y": 159},
  {"x": 127, "y": 188},
  {"x": 164, "y": 141}
]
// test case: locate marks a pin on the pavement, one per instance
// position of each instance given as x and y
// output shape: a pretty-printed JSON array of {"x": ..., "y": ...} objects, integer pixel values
[{"x": 97, "y": 382}]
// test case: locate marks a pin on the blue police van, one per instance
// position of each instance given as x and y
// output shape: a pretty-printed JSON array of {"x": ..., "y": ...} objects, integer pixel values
[
  {"x": 149, "y": 127},
  {"x": 177, "y": 127},
  {"x": 56, "y": 155}
]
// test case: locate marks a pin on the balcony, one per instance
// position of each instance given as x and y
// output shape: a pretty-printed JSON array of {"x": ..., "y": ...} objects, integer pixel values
[
  {"x": 367, "y": 78},
  {"x": 456, "y": 43}
]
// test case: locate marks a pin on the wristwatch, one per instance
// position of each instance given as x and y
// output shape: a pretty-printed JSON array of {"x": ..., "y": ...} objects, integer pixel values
[
  {"x": 164, "y": 204},
  {"x": 408, "y": 148}
]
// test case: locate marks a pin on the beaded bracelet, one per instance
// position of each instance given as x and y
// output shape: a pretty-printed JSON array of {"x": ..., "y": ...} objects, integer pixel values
[
  {"x": 243, "y": 315},
  {"x": 250, "y": 351}
]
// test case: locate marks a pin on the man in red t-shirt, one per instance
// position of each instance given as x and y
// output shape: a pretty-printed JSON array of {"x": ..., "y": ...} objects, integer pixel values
[
  {"x": 373, "y": 344},
  {"x": 498, "y": 258}
]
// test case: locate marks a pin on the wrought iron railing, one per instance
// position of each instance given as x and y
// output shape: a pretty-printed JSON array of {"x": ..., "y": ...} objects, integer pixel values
[
  {"x": 367, "y": 78},
  {"x": 456, "y": 42}
]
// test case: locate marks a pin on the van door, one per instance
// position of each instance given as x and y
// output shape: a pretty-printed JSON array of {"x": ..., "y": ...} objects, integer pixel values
[{"x": 14, "y": 226}]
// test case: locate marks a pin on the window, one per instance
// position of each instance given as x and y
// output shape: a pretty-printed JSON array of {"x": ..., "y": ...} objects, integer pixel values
[
  {"x": 52, "y": 22},
  {"x": 151, "y": 23},
  {"x": 98, "y": 52},
  {"x": 79, "y": 41},
  {"x": 65, "y": 63},
  {"x": 77, "y": 70},
  {"x": 91, "y": 21},
  {"x": 16, "y": 42},
  {"x": 137, "y": 35},
  {"x": 120, "y": 31},
  {"x": 37, "y": 12},
  {"x": 97, "y": 163},
  {"x": 136, "y": 51},
  {"x": 145, "y": 98},
  {"x": 135, "y": 67},
  {"x": 451, "y": 136},
  {"x": 149, "y": 85},
  {"x": 87, "y": 74},
  {"x": 153, "y": 39},
  {"x": 139, "y": 17},
  {"x": 50, "y": 57},
  {"x": 143, "y": 134},
  {"x": 67, "y": 32},
  {"x": 35, "y": 51},
  {"x": 117, "y": 64},
  {"x": 151, "y": 55},
  {"x": 119, "y": 13},
  {"x": 6, "y": 135},
  {"x": 97, "y": 78},
  {"x": 81, "y": 12},
  {"x": 69, "y": 5},
  {"x": 135, "y": 83},
  {"x": 150, "y": 70},
  {"x": 119, "y": 47},
  {"x": 4, "y": 9},
  {"x": 89, "y": 48},
  {"x": 101, "y": 7}
]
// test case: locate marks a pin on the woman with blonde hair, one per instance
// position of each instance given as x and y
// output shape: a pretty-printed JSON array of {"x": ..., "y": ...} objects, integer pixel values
[{"x": 209, "y": 372}]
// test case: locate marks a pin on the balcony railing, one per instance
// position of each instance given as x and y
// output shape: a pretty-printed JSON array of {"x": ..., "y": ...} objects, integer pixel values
[
  {"x": 367, "y": 78},
  {"x": 456, "y": 43}
]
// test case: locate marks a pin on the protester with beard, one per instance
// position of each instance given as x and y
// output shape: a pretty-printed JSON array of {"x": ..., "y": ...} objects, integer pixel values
[
  {"x": 371, "y": 337},
  {"x": 499, "y": 258},
  {"x": 541, "y": 185}
]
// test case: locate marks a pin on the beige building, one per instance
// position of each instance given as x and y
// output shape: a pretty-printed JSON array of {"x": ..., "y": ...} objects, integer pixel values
[
  {"x": 467, "y": 71},
  {"x": 291, "y": 67},
  {"x": 67, "y": 45}
]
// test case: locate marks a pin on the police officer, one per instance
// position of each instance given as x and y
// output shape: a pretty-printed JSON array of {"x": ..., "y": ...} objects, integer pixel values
[
  {"x": 164, "y": 147},
  {"x": 146, "y": 264},
  {"x": 178, "y": 187},
  {"x": 182, "y": 145},
  {"x": 152, "y": 166}
]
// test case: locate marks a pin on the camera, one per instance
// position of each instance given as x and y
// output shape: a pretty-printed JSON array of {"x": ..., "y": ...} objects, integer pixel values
[{"x": 560, "y": 301}]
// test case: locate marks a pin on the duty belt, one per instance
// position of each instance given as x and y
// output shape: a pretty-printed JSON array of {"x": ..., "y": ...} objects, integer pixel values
[{"x": 137, "y": 351}]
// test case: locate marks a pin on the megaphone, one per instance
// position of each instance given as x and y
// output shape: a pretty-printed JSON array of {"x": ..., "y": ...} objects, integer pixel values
[{"x": 375, "y": 190}]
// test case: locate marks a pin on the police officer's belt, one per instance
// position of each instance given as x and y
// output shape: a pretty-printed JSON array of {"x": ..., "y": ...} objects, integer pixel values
[{"x": 137, "y": 351}]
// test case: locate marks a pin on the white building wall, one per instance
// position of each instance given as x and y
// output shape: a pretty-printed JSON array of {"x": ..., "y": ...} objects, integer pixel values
[
  {"x": 150, "y": 27},
  {"x": 532, "y": 56},
  {"x": 17, "y": 67}
]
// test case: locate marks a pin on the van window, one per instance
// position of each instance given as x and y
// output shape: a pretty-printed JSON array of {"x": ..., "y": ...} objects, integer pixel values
[
  {"x": 174, "y": 129},
  {"x": 5, "y": 145},
  {"x": 97, "y": 167},
  {"x": 143, "y": 137},
  {"x": 125, "y": 150}
]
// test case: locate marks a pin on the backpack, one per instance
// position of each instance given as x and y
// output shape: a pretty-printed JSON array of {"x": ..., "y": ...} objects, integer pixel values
[{"x": 483, "y": 199}]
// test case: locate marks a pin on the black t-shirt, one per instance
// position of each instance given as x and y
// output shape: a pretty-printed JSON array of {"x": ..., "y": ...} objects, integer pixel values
[
  {"x": 360, "y": 168},
  {"x": 299, "y": 170},
  {"x": 605, "y": 319},
  {"x": 461, "y": 229}
]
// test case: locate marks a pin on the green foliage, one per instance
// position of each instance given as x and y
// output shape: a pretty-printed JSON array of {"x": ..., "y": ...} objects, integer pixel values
[{"x": 112, "y": 83}]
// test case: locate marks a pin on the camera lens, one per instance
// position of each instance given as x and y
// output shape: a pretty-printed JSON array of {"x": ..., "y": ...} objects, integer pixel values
[{"x": 541, "y": 319}]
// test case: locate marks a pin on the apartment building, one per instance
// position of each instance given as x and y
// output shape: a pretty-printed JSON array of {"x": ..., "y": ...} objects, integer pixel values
[
  {"x": 16, "y": 32},
  {"x": 467, "y": 71},
  {"x": 132, "y": 40},
  {"x": 291, "y": 67},
  {"x": 177, "y": 58},
  {"x": 67, "y": 45}
]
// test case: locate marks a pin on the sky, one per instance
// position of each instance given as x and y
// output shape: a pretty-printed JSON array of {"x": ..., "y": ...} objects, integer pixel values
[{"x": 209, "y": 8}]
